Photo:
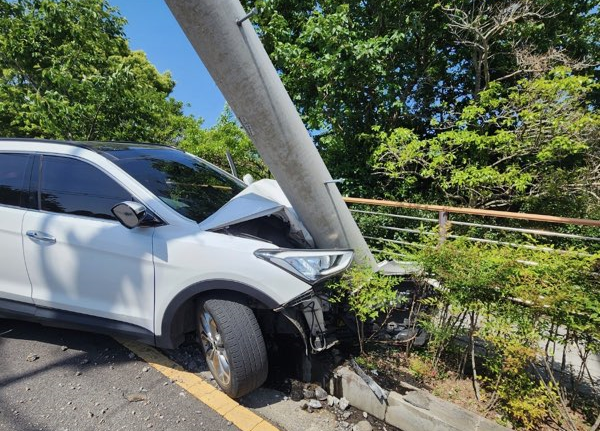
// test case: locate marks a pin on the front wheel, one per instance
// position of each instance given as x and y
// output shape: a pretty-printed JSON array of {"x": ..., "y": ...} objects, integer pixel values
[{"x": 233, "y": 344}]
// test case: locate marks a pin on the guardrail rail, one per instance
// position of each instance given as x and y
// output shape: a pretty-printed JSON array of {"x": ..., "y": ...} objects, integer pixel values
[{"x": 384, "y": 222}]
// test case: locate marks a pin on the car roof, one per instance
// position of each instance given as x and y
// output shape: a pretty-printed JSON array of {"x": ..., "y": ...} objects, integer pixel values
[{"x": 108, "y": 149}]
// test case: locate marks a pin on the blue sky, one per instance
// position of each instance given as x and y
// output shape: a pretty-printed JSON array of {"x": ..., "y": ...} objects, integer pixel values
[{"x": 152, "y": 28}]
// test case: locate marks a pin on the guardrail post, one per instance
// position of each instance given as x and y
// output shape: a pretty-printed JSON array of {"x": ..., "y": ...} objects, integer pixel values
[{"x": 443, "y": 225}]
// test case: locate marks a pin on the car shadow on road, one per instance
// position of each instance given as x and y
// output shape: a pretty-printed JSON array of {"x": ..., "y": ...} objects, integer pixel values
[
  {"x": 53, "y": 379},
  {"x": 85, "y": 349}
]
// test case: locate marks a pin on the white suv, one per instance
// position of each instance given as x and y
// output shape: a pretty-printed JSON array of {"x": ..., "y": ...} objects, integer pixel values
[{"x": 150, "y": 242}]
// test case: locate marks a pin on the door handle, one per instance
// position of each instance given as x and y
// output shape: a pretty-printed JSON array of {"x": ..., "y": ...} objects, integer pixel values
[{"x": 41, "y": 236}]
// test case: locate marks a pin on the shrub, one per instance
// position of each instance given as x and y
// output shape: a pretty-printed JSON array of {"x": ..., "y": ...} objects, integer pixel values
[
  {"x": 507, "y": 301},
  {"x": 367, "y": 294}
]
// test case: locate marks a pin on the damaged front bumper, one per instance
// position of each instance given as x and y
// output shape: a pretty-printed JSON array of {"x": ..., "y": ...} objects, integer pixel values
[
  {"x": 306, "y": 314},
  {"x": 306, "y": 311}
]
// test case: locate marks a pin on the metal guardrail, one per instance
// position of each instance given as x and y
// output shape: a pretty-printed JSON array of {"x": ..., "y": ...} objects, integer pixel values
[
  {"x": 387, "y": 227},
  {"x": 443, "y": 221}
]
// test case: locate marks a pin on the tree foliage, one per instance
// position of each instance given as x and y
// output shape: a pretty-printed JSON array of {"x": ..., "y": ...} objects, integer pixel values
[
  {"x": 67, "y": 72},
  {"x": 211, "y": 144},
  {"x": 367, "y": 294},
  {"x": 524, "y": 146},
  {"x": 352, "y": 65}
]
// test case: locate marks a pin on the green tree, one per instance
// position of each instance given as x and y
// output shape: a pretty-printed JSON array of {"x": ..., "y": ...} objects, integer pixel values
[
  {"x": 535, "y": 146},
  {"x": 350, "y": 65},
  {"x": 211, "y": 144},
  {"x": 67, "y": 72}
]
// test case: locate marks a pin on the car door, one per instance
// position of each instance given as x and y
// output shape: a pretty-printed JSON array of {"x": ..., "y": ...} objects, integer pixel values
[
  {"x": 14, "y": 178},
  {"x": 80, "y": 259}
]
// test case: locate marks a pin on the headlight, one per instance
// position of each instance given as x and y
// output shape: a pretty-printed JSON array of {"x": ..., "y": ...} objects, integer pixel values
[{"x": 309, "y": 265}]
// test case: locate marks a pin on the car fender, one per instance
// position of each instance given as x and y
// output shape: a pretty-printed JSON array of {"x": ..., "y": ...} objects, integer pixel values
[{"x": 171, "y": 325}]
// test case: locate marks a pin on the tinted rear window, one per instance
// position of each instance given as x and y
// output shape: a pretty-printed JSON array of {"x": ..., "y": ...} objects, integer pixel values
[
  {"x": 71, "y": 186},
  {"x": 13, "y": 170}
]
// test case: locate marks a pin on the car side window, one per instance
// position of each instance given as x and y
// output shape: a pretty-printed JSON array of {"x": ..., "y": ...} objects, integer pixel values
[
  {"x": 13, "y": 169},
  {"x": 71, "y": 186}
]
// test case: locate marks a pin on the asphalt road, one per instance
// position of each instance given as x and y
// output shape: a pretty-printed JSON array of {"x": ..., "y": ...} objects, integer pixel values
[{"x": 56, "y": 380}]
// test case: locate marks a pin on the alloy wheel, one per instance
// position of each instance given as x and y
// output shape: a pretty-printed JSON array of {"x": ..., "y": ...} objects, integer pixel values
[{"x": 214, "y": 349}]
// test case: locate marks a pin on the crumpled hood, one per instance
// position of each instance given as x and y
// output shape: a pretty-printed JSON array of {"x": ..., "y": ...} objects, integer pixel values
[{"x": 260, "y": 199}]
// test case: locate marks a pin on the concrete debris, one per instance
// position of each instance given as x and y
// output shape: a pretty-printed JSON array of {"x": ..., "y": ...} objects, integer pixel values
[
  {"x": 332, "y": 401},
  {"x": 433, "y": 413},
  {"x": 365, "y": 415},
  {"x": 64, "y": 348},
  {"x": 320, "y": 393},
  {"x": 136, "y": 397},
  {"x": 32, "y": 357},
  {"x": 296, "y": 393},
  {"x": 308, "y": 393},
  {"x": 146, "y": 369},
  {"x": 379, "y": 392},
  {"x": 347, "y": 383},
  {"x": 343, "y": 403},
  {"x": 418, "y": 399},
  {"x": 315, "y": 404},
  {"x": 362, "y": 426}
]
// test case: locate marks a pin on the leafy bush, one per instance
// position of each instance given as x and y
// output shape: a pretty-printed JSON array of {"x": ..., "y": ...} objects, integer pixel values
[
  {"x": 506, "y": 302},
  {"x": 367, "y": 294},
  {"x": 526, "y": 402}
]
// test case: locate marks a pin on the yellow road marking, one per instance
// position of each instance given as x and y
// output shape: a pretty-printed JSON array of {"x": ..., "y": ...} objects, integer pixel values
[{"x": 196, "y": 386}]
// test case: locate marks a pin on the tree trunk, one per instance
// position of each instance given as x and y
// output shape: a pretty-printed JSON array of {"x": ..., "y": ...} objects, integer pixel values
[{"x": 477, "y": 67}]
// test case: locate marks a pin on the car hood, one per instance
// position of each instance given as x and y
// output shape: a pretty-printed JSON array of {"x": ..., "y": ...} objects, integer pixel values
[{"x": 260, "y": 199}]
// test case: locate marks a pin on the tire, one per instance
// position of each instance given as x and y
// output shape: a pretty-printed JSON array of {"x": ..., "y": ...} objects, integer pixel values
[{"x": 233, "y": 344}]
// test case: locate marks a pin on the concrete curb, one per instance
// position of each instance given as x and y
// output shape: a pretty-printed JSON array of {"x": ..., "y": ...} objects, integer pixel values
[{"x": 416, "y": 410}]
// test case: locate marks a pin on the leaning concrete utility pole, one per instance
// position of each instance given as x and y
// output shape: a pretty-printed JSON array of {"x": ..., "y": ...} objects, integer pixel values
[{"x": 225, "y": 40}]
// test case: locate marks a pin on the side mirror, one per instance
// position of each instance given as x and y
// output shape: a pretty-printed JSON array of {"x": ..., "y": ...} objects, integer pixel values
[{"x": 130, "y": 214}]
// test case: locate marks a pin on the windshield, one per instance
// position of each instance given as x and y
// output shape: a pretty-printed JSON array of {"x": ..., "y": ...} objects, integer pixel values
[{"x": 189, "y": 185}]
